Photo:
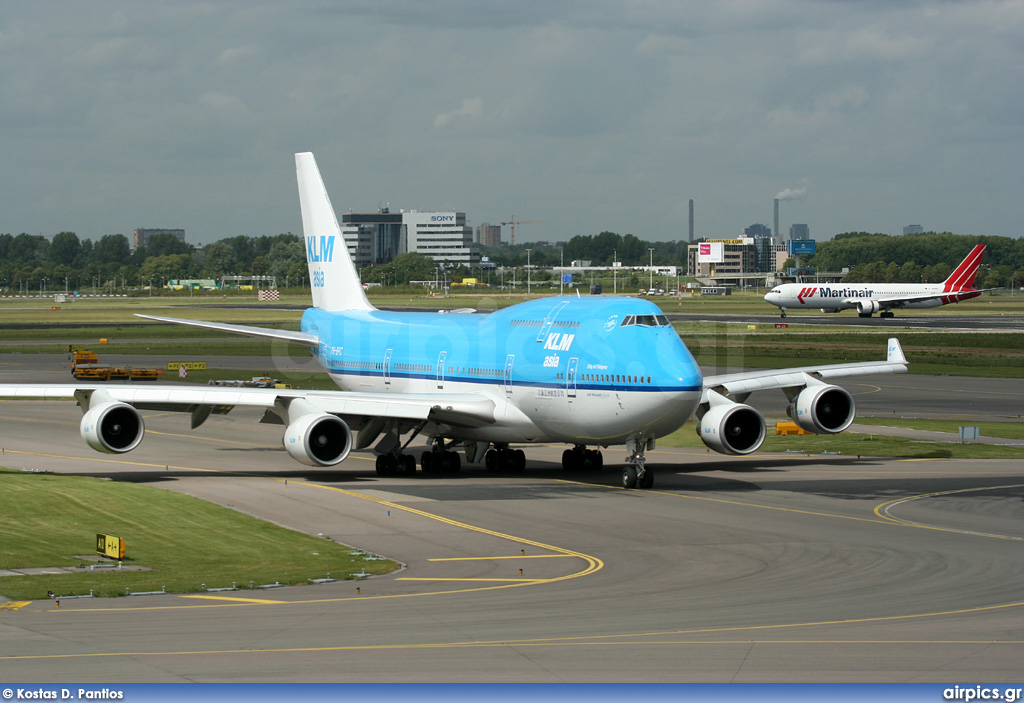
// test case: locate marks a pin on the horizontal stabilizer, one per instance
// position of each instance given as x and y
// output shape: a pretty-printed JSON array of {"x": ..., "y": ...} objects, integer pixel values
[{"x": 304, "y": 338}]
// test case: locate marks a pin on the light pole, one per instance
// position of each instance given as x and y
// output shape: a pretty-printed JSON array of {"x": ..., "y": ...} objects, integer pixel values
[
  {"x": 561, "y": 273},
  {"x": 651, "y": 270},
  {"x": 528, "y": 271},
  {"x": 615, "y": 272}
]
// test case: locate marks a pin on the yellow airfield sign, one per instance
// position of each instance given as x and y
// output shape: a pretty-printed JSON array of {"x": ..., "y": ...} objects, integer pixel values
[
  {"x": 110, "y": 546},
  {"x": 189, "y": 365}
]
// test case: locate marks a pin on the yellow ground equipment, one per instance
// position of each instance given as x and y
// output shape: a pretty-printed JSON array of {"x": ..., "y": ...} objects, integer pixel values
[{"x": 85, "y": 366}]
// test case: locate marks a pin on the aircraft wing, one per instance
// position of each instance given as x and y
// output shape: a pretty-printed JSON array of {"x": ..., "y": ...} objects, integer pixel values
[
  {"x": 749, "y": 381},
  {"x": 465, "y": 410},
  {"x": 902, "y": 300},
  {"x": 304, "y": 338}
]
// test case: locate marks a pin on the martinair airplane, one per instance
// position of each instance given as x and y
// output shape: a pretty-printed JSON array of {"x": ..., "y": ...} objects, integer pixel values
[
  {"x": 869, "y": 298},
  {"x": 587, "y": 372}
]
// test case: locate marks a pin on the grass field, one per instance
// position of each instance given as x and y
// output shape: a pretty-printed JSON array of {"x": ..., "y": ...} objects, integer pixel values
[{"x": 51, "y": 520}]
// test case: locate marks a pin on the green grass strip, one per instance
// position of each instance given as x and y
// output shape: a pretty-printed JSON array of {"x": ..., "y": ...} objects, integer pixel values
[{"x": 50, "y": 520}]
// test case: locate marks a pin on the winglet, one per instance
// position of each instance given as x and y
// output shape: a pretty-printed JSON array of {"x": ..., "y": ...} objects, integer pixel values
[
  {"x": 332, "y": 275},
  {"x": 895, "y": 354}
]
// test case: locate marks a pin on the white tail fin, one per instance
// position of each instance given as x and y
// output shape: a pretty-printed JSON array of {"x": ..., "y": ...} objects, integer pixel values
[{"x": 332, "y": 275}]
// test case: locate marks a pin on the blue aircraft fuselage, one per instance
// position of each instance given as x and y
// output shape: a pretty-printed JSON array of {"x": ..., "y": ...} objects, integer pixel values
[{"x": 568, "y": 369}]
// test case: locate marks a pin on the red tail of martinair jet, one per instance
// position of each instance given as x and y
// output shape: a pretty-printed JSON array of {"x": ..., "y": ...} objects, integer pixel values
[
  {"x": 869, "y": 298},
  {"x": 963, "y": 278}
]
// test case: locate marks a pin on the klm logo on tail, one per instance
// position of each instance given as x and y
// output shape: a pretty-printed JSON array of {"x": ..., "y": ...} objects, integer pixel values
[{"x": 323, "y": 252}]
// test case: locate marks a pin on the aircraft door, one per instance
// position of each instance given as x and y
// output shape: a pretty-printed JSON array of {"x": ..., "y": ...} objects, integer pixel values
[
  {"x": 508, "y": 373},
  {"x": 570, "y": 377},
  {"x": 440, "y": 369},
  {"x": 387, "y": 368}
]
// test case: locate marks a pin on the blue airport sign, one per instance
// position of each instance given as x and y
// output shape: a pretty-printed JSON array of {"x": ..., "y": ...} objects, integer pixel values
[{"x": 801, "y": 247}]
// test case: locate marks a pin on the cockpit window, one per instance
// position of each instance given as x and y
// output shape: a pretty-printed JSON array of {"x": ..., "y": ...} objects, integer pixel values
[{"x": 645, "y": 321}]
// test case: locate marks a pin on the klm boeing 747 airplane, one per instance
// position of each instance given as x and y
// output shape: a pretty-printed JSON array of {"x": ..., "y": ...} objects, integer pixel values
[{"x": 587, "y": 372}]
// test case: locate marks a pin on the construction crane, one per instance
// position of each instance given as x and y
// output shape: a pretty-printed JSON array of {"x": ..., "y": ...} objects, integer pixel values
[{"x": 512, "y": 221}]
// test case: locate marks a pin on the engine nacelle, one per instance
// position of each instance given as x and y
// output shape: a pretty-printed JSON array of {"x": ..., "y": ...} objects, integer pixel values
[
  {"x": 318, "y": 439},
  {"x": 112, "y": 427},
  {"x": 732, "y": 428},
  {"x": 822, "y": 409},
  {"x": 868, "y": 307}
]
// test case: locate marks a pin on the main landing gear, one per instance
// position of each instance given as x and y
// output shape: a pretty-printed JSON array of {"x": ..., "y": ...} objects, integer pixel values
[
  {"x": 636, "y": 474},
  {"x": 579, "y": 458},
  {"x": 504, "y": 459},
  {"x": 396, "y": 465},
  {"x": 440, "y": 460}
]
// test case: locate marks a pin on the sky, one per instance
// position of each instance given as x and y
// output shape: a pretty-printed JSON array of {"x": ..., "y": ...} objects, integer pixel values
[{"x": 588, "y": 116}]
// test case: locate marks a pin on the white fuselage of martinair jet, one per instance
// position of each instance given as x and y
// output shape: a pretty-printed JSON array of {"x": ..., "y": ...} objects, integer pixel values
[{"x": 869, "y": 298}]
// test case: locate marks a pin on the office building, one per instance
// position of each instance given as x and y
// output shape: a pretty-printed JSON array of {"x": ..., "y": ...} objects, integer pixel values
[{"x": 142, "y": 236}]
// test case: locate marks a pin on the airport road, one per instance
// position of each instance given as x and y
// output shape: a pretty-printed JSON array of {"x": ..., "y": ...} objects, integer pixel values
[{"x": 764, "y": 568}]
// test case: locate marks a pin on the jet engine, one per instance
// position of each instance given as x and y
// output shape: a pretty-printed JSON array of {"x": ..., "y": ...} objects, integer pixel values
[
  {"x": 112, "y": 427},
  {"x": 731, "y": 428},
  {"x": 318, "y": 439},
  {"x": 868, "y": 307},
  {"x": 822, "y": 409}
]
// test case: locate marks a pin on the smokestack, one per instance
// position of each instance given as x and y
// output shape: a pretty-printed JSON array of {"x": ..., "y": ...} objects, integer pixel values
[
  {"x": 691, "y": 220},
  {"x": 777, "y": 232}
]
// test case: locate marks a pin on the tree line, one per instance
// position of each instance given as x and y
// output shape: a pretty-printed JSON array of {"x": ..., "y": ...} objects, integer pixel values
[
  {"x": 32, "y": 262},
  {"x": 29, "y": 262}
]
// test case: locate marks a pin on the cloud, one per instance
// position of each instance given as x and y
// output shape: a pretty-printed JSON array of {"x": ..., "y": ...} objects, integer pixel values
[
  {"x": 472, "y": 108},
  {"x": 792, "y": 194}
]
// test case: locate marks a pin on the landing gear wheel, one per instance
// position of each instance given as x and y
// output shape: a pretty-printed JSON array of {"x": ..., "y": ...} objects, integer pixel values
[
  {"x": 387, "y": 465},
  {"x": 569, "y": 462},
  {"x": 427, "y": 462},
  {"x": 408, "y": 463},
  {"x": 518, "y": 460},
  {"x": 629, "y": 477}
]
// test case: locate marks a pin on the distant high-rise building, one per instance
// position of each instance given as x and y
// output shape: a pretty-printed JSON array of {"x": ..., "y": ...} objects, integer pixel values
[
  {"x": 142, "y": 236},
  {"x": 489, "y": 235},
  {"x": 799, "y": 232},
  {"x": 758, "y": 231},
  {"x": 913, "y": 229},
  {"x": 385, "y": 231},
  {"x": 377, "y": 238},
  {"x": 443, "y": 236}
]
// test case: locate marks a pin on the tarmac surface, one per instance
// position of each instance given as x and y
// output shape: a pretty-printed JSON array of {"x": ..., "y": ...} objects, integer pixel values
[{"x": 755, "y": 569}]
